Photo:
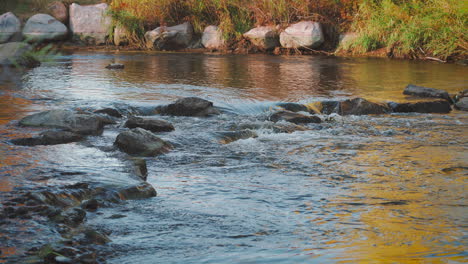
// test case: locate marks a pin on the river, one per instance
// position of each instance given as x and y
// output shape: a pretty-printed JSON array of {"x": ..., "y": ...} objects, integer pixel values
[{"x": 355, "y": 189}]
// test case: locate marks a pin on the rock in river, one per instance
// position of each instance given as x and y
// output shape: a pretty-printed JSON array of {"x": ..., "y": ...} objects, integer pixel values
[
  {"x": 152, "y": 125},
  {"x": 81, "y": 123},
  {"x": 49, "y": 138},
  {"x": 170, "y": 38},
  {"x": 231, "y": 136},
  {"x": 295, "y": 118},
  {"x": 462, "y": 104},
  {"x": 360, "y": 106},
  {"x": 189, "y": 106},
  {"x": 439, "y": 106},
  {"x": 140, "y": 191},
  {"x": 115, "y": 66},
  {"x": 141, "y": 142},
  {"x": 10, "y": 28},
  {"x": 426, "y": 92},
  {"x": 109, "y": 111}
]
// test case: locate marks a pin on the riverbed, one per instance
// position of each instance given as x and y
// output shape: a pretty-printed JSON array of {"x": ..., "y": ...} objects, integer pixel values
[{"x": 354, "y": 189}]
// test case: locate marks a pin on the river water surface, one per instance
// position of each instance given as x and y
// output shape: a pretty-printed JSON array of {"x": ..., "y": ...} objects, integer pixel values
[{"x": 355, "y": 189}]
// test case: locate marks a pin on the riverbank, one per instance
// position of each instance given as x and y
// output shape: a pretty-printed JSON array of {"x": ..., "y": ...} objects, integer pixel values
[{"x": 344, "y": 28}]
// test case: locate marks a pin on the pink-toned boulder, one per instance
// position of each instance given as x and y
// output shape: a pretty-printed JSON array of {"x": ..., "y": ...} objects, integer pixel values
[{"x": 58, "y": 10}]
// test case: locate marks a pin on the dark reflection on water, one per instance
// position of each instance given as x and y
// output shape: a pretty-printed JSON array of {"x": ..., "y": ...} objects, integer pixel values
[{"x": 388, "y": 189}]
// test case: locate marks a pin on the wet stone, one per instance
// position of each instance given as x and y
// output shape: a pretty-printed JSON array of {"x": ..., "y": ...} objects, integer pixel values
[
  {"x": 115, "y": 66},
  {"x": 141, "y": 142},
  {"x": 189, "y": 106},
  {"x": 426, "y": 92},
  {"x": 140, "y": 191},
  {"x": 360, "y": 106},
  {"x": 109, "y": 111},
  {"x": 439, "y": 106},
  {"x": 152, "y": 125},
  {"x": 295, "y": 118},
  {"x": 231, "y": 136},
  {"x": 49, "y": 138}
]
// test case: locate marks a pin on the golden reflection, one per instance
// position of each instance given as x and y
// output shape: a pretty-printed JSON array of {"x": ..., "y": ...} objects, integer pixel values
[{"x": 408, "y": 210}]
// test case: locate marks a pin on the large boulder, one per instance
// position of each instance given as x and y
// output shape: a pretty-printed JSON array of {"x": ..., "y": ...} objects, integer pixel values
[
  {"x": 49, "y": 138},
  {"x": 346, "y": 39},
  {"x": 152, "y": 125},
  {"x": 80, "y": 123},
  {"x": 263, "y": 37},
  {"x": 90, "y": 24},
  {"x": 293, "y": 117},
  {"x": 212, "y": 38},
  {"x": 426, "y": 92},
  {"x": 189, "y": 106},
  {"x": 58, "y": 10},
  {"x": 439, "y": 106},
  {"x": 42, "y": 27},
  {"x": 141, "y": 142},
  {"x": 10, "y": 28},
  {"x": 305, "y": 34},
  {"x": 170, "y": 38},
  {"x": 360, "y": 106},
  {"x": 17, "y": 54}
]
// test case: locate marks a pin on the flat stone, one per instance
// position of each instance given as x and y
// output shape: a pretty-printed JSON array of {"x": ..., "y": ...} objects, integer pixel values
[
  {"x": 152, "y": 125},
  {"x": 295, "y": 118},
  {"x": 426, "y": 92},
  {"x": 189, "y": 106},
  {"x": 115, "y": 66},
  {"x": 439, "y": 106},
  {"x": 49, "y": 138},
  {"x": 360, "y": 106}
]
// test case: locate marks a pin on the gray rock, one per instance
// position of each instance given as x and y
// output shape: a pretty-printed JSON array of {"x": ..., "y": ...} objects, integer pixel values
[
  {"x": 305, "y": 34},
  {"x": 189, "y": 106},
  {"x": 115, "y": 66},
  {"x": 73, "y": 217},
  {"x": 140, "y": 191},
  {"x": 295, "y": 118},
  {"x": 170, "y": 38},
  {"x": 65, "y": 119},
  {"x": 439, "y": 106},
  {"x": 264, "y": 37},
  {"x": 59, "y": 11},
  {"x": 42, "y": 27},
  {"x": 95, "y": 237},
  {"x": 10, "y": 28},
  {"x": 152, "y": 125},
  {"x": 462, "y": 104},
  {"x": 231, "y": 136},
  {"x": 139, "y": 167},
  {"x": 330, "y": 107},
  {"x": 141, "y": 142},
  {"x": 17, "y": 54},
  {"x": 288, "y": 128},
  {"x": 212, "y": 38},
  {"x": 360, "y": 106},
  {"x": 90, "y": 24},
  {"x": 49, "y": 138},
  {"x": 426, "y": 92}
]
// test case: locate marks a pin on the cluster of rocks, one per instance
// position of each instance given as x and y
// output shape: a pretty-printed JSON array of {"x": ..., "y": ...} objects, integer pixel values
[{"x": 91, "y": 24}]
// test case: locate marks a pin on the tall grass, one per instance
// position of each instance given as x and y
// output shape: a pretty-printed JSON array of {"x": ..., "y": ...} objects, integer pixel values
[{"x": 412, "y": 28}]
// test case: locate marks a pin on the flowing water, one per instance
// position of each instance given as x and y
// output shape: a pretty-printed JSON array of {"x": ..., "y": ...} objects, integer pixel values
[{"x": 355, "y": 189}]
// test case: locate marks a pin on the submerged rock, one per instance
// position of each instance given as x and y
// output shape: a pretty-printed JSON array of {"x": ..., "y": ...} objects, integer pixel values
[
  {"x": 140, "y": 191},
  {"x": 360, "y": 106},
  {"x": 152, "y": 125},
  {"x": 49, "y": 138},
  {"x": 264, "y": 37},
  {"x": 95, "y": 237},
  {"x": 189, "y": 106},
  {"x": 212, "y": 38},
  {"x": 231, "y": 136},
  {"x": 294, "y": 107},
  {"x": 295, "y": 118},
  {"x": 43, "y": 27},
  {"x": 10, "y": 28},
  {"x": 426, "y": 92},
  {"x": 65, "y": 119},
  {"x": 140, "y": 168},
  {"x": 170, "y": 38},
  {"x": 141, "y": 142},
  {"x": 288, "y": 128},
  {"x": 439, "y": 106},
  {"x": 305, "y": 34},
  {"x": 115, "y": 66},
  {"x": 109, "y": 111},
  {"x": 330, "y": 107},
  {"x": 90, "y": 24},
  {"x": 17, "y": 54}
]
